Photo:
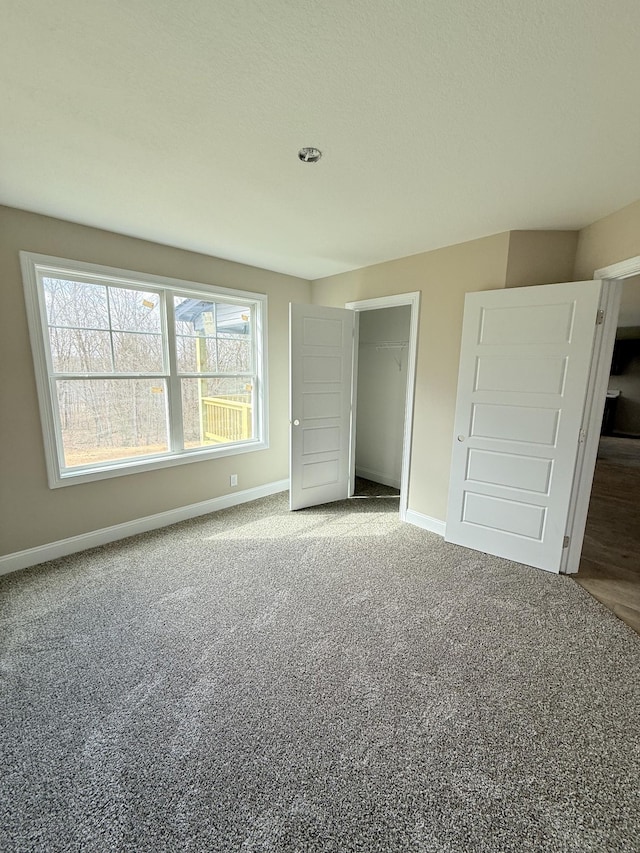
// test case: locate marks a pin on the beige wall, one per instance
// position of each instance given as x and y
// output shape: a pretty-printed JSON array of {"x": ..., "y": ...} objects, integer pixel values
[
  {"x": 31, "y": 514},
  {"x": 443, "y": 276},
  {"x": 540, "y": 257},
  {"x": 630, "y": 302},
  {"x": 609, "y": 240}
]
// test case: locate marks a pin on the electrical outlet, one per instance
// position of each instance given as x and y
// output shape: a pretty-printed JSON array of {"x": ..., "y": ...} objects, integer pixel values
[{"x": 233, "y": 480}]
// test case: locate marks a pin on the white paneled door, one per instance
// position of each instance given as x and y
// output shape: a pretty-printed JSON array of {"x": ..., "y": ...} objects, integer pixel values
[
  {"x": 321, "y": 367},
  {"x": 524, "y": 371}
]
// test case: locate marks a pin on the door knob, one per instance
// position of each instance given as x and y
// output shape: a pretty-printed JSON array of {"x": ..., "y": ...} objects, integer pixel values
[
  {"x": 296, "y": 422},
  {"x": 460, "y": 438}
]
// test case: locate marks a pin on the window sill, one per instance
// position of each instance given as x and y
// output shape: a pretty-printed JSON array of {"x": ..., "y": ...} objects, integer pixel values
[{"x": 71, "y": 477}]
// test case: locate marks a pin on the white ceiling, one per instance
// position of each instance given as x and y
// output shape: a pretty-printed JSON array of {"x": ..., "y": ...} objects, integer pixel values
[{"x": 440, "y": 121}]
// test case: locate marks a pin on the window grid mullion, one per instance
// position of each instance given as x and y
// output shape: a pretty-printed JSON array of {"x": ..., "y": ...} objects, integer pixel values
[
  {"x": 113, "y": 354},
  {"x": 87, "y": 376},
  {"x": 214, "y": 375},
  {"x": 256, "y": 395},
  {"x": 55, "y": 411},
  {"x": 98, "y": 329},
  {"x": 174, "y": 390}
]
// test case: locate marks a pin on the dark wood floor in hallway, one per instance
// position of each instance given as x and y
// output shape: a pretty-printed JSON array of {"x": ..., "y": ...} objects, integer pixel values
[{"x": 610, "y": 564}]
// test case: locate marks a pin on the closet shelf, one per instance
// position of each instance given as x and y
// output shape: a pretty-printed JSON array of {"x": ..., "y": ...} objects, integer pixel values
[{"x": 386, "y": 344}]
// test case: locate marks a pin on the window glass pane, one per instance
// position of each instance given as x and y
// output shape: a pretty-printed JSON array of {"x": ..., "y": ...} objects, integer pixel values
[
  {"x": 80, "y": 350},
  {"x": 233, "y": 320},
  {"x": 107, "y": 419},
  {"x": 213, "y": 336},
  {"x": 194, "y": 316},
  {"x": 196, "y": 354},
  {"x": 73, "y": 303},
  {"x": 137, "y": 353},
  {"x": 234, "y": 354},
  {"x": 134, "y": 310},
  {"x": 216, "y": 411}
]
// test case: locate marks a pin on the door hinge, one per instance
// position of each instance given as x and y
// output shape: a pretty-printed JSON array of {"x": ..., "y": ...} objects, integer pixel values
[
  {"x": 582, "y": 435},
  {"x": 600, "y": 317},
  {"x": 565, "y": 542}
]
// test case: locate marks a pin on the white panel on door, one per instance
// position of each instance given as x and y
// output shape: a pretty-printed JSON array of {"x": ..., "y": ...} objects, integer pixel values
[
  {"x": 316, "y": 474},
  {"x": 534, "y": 324},
  {"x": 320, "y": 440},
  {"x": 546, "y": 375},
  {"x": 321, "y": 332},
  {"x": 318, "y": 368},
  {"x": 522, "y": 424},
  {"x": 507, "y": 516},
  {"x": 321, "y": 405},
  {"x": 321, "y": 353},
  {"x": 529, "y": 473},
  {"x": 522, "y": 384}
]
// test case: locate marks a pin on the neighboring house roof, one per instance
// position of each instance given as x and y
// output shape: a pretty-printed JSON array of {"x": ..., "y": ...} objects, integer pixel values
[{"x": 232, "y": 319}]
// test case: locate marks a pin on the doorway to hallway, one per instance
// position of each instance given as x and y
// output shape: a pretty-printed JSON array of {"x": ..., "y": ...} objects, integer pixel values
[{"x": 610, "y": 561}]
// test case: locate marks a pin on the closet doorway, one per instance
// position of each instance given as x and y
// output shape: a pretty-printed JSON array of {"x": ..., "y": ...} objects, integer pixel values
[
  {"x": 384, "y": 380},
  {"x": 381, "y": 400}
]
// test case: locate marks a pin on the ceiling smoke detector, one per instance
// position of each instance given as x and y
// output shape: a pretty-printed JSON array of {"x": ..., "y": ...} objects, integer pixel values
[{"x": 309, "y": 155}]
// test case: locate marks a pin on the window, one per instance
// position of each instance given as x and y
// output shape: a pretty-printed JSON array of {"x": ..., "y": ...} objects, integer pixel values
[{"x": 137, "y": 372}]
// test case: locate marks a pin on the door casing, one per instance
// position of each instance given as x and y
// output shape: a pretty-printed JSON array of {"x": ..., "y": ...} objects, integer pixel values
[{"x": 413, "y": 300}]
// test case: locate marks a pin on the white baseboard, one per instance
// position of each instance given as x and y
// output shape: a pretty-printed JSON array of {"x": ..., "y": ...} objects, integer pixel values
[
  {"x": 378, "y": 477},
  {"x": 63, "y": 547},
  {"x": 434, "y": 525}
]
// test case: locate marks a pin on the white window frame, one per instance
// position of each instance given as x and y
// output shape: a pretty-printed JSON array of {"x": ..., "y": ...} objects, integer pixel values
[{"x": 35, "y": 267}]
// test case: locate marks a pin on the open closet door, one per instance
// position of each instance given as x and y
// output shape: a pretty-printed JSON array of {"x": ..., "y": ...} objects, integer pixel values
[
  {"x": 321, "y": 349},
  {"x": 524, "y": 370}
]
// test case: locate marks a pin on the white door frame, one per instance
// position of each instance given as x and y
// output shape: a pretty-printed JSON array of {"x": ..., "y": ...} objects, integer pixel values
[
  {"x": 613, "y": 277},
  {"x": 413, "y": 300}
]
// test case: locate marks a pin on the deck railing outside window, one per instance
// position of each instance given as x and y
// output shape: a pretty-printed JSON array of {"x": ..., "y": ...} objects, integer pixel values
[{"x": 226, "y": 418}]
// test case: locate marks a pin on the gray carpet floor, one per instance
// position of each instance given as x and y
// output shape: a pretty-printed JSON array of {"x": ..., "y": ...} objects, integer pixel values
[
  {"x": 326, "y": 680},
  {"x": 370, "y": 489}
]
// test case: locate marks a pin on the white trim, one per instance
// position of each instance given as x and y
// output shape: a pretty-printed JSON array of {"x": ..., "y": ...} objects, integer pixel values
[
  {"x": 261, "y": 367},
  {"x": 40, "y": 363},
  {"x": 383, "y": 301},
  {"x": 33, "y": 265},
  {"x": 63, "y": 547},
  {"x": 355, "y": 361},
  {"x": 412, "y": 299},
  {"x": 592, "y": 423},
  {"x": 426, "y": 522},
  {"x": 175, "y": 424},
  {"x": 378, "y": 477},
  {"x": 90, "y": 272},
  {"x": 623, "y": 269},
  {"x": 148, "y": 463}
]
